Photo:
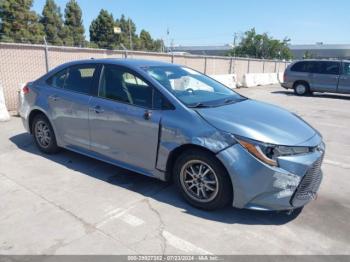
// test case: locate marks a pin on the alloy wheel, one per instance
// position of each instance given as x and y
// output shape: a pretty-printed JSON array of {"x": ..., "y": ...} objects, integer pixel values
[
  {"x": 199, "y": 181},
  {"x": 43, "y": 134}
]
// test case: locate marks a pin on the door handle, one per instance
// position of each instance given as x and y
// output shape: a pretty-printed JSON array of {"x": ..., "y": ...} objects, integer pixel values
[
  {"x": 98, "y": 109},
  {"x": 343, "y": 78},
  {"x": 147, "y": 115},
  {"x": 54, "y": 98}
]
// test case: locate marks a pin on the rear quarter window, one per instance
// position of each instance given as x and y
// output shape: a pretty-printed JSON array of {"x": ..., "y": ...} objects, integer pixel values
[
  {"x": 303, "y": 67},
  {"x": 57, "y": 80}
]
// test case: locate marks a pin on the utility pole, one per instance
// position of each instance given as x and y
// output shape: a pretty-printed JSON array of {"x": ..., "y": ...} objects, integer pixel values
[
  {"x": 172, "y": 45},
  {"x": 130, "y": 37},
  {"x": 234, "y": 54},
  {"x": 162, "y": 48},
  {"x": 167, "y": 40},
  {"x": 46, "y": 55},
  {"x": 234, "y": 45},
  {"x": 125, "y": 50}
]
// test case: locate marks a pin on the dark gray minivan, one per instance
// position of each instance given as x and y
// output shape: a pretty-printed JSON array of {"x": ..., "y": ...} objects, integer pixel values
[{"x": 309, "y": 76}]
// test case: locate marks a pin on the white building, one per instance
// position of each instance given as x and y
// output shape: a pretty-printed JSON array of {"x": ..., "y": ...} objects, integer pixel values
[
  {"x": 321, "y": 51},
  {"x": 316, "y": 51}
]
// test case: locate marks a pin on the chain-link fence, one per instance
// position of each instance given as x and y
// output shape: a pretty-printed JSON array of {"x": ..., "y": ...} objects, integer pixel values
[{"x": 20, "y": 63}]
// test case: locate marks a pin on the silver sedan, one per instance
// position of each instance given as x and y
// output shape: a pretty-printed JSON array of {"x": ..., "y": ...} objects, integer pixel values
[{"x": 173, "y": 123}]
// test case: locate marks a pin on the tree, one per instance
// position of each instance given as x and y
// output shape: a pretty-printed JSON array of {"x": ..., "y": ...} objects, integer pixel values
[
  {"x": 262, "y": 46},
  {"x": 74, "y": 25},
  {"x": 102, "y": 31},
  {"x": 18, "y": 23},
  {"x": 128, "y": 29},
  {"x": 158, "y": 45},
  {"x": 102, "y": 34},
  {"x": 146, "y": 41},
  {"x": 53, "y": 24}
]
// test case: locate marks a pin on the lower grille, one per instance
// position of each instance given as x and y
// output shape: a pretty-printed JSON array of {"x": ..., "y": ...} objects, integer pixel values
[{"x": 309, "y": 185}]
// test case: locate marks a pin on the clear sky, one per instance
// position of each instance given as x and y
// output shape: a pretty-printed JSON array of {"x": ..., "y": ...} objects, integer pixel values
[{"x": 214, "y": 22}]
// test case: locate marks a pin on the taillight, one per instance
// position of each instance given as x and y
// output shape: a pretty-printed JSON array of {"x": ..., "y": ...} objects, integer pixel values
[
  {"x": 25, "y": 89},
  {"x": 284, "y": 77}
]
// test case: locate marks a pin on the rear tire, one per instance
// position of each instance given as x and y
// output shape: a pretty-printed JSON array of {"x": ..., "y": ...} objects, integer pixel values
[
  {"x": 202, "y": 180},
  {"x": 301, "y": 89},
  {"x": 44, "y": 135}
]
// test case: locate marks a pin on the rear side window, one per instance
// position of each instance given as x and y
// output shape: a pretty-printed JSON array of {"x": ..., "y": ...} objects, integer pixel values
[
  {"x": 303, "y": 67},
  {"x": 327, "y": 68},
  {"x": 80, "y": 78},
  {"x": 76, "y": 78}
]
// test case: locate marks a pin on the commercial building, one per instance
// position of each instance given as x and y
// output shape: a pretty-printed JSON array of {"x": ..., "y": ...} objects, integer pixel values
[
  {"x": 319, "y": 50},
  {"x": 203, "y": 50}
]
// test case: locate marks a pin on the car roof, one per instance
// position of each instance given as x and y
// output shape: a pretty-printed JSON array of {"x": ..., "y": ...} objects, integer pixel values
[
  {"x": 320, "y": 60},
  {"x": 121, "y": 61}
]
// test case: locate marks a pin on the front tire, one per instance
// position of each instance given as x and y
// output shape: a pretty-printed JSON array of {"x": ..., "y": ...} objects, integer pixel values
[
  {"x": 44, "y": 135},
  {"x": 202, "y": 180}
]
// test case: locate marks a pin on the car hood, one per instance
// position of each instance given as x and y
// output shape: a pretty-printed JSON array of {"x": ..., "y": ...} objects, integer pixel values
[{"x": 259, "y": 121}]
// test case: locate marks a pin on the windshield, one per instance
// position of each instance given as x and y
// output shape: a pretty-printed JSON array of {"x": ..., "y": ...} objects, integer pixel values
[{"x": 193, "y": 88}]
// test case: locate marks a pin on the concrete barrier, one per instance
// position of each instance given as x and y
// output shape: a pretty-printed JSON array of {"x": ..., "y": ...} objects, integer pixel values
[
  {"x": 229, "y": 80},
  {"x": 4, "y": 114},
  {"x": 261, "y": 79}
]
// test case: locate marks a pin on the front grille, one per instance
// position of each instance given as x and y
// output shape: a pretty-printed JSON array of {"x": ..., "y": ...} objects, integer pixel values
[{"x": 309, "y": 185}]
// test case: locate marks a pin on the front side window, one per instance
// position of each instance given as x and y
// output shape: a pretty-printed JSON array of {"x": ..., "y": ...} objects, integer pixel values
[
  {"x": 191, "y": 87},
  {"x": 346, "y": 69},
  {"x": 119, "y": 84}
]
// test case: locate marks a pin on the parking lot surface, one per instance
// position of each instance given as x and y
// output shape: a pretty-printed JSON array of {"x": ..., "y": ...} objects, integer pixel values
[{"x": 72, "y": 204}]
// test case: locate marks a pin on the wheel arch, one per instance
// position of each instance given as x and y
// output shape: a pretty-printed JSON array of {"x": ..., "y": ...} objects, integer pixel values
[
  {"x": 175, "y": 153},
  {"x": 32, "y": 116},
  {"x": 225, "y": 193}
]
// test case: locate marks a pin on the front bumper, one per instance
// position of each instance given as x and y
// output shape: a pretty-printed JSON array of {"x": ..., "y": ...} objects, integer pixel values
[{"x": 261, "y": 187}]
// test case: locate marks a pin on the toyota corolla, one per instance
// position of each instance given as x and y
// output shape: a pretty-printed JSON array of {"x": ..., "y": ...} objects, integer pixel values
[{"x": 171, "y": 122}]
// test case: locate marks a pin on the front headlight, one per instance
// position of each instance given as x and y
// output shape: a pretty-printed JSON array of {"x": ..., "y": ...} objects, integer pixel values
[{"x": 269, "y": 153}]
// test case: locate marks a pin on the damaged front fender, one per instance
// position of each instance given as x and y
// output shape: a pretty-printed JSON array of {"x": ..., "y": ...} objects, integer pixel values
[{"x": 173, "y": 136}]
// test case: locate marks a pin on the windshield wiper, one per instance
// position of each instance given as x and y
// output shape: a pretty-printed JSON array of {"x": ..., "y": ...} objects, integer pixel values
[
  {"x": 229, "y": 100},
  {"x": 233, "y": 100},
  {"x": 225, "y": 102},
  {"x": 197, "y": 105}
]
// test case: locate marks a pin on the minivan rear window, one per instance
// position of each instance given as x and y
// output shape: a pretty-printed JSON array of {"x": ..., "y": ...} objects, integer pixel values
[
  {"x": 302, "y": 67},
  {"x": 317, "y": 67}
]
